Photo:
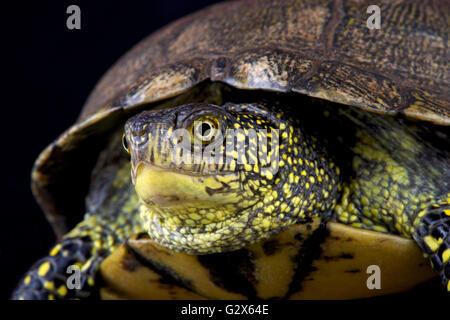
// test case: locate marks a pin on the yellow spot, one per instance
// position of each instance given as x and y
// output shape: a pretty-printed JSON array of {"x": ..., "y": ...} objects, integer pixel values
[
  {"x": 97, "y": 244},
  {"x": 303, "y": 173},
  {"x": 195, "y": 216},
  {"x": 49, "y": 285},
  {"x": 365, "y": 201},
  {"x": 269, "y": 209},
  {"x": 55, "y": 250},
  {"x": 291, "y": 177},
  {"x": 446, "y": 256},
  {"x": 43, "y": 269},
  {"x": 447, "y": 212},
  {"x": 266, "y": 223},
  {"x": 62, "y": 291},
  {"x": 379, "y": 228},
  {"x": 27, "y": 279},
  {"x": 432, "y": 243}
]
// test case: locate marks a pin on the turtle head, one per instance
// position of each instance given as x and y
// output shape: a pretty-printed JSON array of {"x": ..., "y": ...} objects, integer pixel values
[{"x": 204, "y": 174}]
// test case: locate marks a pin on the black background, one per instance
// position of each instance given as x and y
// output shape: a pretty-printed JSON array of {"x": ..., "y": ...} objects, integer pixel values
[{"x": 48, "y": 72}]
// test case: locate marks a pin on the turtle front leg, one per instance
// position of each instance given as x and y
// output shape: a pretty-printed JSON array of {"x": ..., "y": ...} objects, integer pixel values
[
  {"x": 70, "y": 269},
  {"x": 433, "y": 236},
  {"x": 68, "y": 272}
]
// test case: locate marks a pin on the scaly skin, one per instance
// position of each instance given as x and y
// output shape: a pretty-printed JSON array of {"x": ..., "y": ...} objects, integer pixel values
[{"x": 357, "y": 168}]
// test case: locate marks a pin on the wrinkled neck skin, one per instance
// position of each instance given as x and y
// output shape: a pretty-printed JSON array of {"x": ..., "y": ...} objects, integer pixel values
[{"x": 202, "y": 214}]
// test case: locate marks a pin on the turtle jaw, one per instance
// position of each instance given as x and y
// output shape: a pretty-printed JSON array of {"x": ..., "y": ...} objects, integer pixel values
[
  {"x": 190, "y": 213},
  {"x": 173, "y": 190}
]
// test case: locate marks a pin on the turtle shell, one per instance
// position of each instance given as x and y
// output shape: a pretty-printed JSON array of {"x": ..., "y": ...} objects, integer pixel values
[{"x": 321, "y": 49}]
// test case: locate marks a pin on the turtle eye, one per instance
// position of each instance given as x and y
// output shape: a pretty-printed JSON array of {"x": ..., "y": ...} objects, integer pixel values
[
  {"x": 205, "y": 129},
  {"x": 125, "y": 143}
]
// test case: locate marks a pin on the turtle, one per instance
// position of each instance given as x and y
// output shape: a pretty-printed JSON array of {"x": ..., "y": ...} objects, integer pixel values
[{"x": 273, "y": 149}]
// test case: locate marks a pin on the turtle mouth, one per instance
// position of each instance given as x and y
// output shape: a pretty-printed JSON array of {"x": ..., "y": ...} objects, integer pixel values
[
  {"x": 136, "y": 169},
  {"x": 173, "y": 190},
  {"x": 157, "y": 186}
]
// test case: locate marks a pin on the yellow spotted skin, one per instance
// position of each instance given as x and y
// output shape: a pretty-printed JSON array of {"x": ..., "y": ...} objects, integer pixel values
[{"x": 368, "y": 171}]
